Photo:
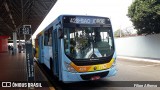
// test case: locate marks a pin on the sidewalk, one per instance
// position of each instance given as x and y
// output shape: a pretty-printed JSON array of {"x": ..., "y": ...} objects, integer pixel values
[
  {"x": 140, "y": 59},
  {"x": 13, "y": 69}
]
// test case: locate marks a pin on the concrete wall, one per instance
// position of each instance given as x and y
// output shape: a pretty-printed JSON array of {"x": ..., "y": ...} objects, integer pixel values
[{"x": 139, "y": 46}]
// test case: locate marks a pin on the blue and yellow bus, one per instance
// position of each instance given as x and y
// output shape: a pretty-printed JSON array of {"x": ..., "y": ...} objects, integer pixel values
[{"x": 78, "y": 48}]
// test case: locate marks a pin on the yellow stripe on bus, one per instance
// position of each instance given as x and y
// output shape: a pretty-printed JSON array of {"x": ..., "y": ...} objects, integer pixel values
[{"x": 92, "y": 68}]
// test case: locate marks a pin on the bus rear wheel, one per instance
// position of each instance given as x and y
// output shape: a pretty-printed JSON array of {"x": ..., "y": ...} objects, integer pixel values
[{"x": 51, "y": 66}]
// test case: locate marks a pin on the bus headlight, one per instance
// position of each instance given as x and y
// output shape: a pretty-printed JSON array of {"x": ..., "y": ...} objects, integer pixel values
[{"x": 69, "y": 67}]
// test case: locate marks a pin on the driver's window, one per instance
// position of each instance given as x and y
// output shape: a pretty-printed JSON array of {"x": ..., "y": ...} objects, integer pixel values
[{"x": 66, "y": 41}]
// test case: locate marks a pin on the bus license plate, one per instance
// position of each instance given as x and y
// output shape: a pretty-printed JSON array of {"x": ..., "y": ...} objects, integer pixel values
[{"x": 95, "y": 77}]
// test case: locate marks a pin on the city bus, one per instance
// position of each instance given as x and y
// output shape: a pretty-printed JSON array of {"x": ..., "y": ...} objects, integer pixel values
[{"x": 78, "y": 48}]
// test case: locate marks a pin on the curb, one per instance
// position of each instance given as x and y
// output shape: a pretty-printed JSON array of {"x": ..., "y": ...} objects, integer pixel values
[{"x": 139, "y": 59}]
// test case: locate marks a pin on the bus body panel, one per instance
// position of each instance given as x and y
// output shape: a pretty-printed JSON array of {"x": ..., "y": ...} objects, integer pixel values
[
  {"x": 40, "y": 41},
  {"x": 47, "y": 55}
]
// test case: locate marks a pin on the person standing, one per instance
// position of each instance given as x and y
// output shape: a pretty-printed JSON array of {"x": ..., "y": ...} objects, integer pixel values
[
  {"x": 12, "y": 50},
  {"x": 19, "y": 48},
  {"x": 9, "y": 48}
]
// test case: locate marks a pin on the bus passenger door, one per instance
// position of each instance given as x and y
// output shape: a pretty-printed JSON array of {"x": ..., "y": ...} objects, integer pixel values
[
  {"x": 40, "y": 42},
  {"x": 55, "y": 53}
]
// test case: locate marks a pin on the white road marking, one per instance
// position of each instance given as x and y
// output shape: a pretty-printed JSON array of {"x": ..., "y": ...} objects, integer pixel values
[
  {"x": 148, "y": 65},
  {"x": 139, "y": 59}
]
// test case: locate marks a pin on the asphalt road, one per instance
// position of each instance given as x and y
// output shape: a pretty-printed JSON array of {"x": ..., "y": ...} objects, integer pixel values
[{"x": 131, "y": 75}]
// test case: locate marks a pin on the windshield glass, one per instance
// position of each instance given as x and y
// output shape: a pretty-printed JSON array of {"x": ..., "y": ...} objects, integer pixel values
[{"x": 88, "y": 42}]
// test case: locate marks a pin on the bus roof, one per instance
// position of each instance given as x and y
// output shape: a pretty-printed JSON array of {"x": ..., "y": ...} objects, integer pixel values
[
  {"x": 59, "y": 18},
  {"x": 82, "y": 16}
]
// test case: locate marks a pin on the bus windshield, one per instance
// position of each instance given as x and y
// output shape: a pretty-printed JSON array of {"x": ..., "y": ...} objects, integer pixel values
[{"x": 88, "y": 42}]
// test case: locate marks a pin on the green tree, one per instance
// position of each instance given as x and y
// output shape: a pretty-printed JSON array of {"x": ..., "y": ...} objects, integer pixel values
[
  {"x": 119, "y": 33},
  {"x": 145, "y": 15}
]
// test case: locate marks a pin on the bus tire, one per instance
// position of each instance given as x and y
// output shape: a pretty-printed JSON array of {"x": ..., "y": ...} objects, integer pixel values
[{"x": 51, "y": 66}]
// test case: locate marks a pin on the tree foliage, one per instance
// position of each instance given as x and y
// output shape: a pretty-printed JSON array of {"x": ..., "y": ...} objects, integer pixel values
[
  {"x": 119, "y": 33},
  {"x": 145, "y": 15}
]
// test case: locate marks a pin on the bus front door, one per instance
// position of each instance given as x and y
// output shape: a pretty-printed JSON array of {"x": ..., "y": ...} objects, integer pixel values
[{"x": 55, "y": 53}]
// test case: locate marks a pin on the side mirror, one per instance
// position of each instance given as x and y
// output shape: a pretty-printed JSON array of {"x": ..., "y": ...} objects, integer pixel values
[{"x": 60, "y": 33}]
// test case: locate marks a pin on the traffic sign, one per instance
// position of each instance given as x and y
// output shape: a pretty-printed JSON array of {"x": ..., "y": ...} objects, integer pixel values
[{"x": 25, "y": 31}]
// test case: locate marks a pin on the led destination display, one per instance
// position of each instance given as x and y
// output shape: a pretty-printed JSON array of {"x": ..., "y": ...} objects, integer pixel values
[{"x": 85, "y": 20}]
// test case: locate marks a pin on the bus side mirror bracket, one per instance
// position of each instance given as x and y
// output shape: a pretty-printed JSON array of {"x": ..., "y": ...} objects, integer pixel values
[{"x": 60, "y": 33}]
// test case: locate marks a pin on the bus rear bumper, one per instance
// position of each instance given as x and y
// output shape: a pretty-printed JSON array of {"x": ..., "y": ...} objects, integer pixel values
[{"x": 69, "y": 77}]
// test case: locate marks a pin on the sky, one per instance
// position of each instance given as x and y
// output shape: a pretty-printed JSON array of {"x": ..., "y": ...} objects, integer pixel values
[{"x": 116, "y": 10}]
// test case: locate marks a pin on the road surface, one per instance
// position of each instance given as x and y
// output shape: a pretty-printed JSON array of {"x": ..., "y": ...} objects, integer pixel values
[{"x": 131, "y": 75}]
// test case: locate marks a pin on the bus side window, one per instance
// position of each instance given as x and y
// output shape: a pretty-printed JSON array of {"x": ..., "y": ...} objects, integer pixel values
[
  {"x": 50, "y": 40},
  {"x": 50, "y": 37},
  {"x": 46, "y": 38}
]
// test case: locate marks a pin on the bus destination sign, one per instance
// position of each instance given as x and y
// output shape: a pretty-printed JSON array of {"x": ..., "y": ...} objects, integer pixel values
[{"x": 85, "y": 20}]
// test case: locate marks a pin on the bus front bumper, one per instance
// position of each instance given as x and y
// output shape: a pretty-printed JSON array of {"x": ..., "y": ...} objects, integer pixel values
[{"x": 69, "y": 77}]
